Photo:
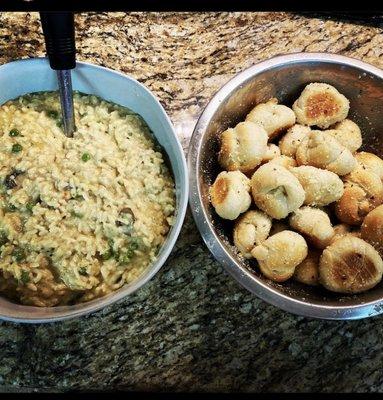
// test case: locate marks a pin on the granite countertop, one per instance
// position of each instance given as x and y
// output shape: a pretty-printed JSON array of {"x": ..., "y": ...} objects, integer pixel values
[{"x": 192, "y": 327}]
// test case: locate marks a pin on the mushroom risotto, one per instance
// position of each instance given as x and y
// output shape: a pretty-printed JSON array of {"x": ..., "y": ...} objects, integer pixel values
[{"x": 81, "y": 216}]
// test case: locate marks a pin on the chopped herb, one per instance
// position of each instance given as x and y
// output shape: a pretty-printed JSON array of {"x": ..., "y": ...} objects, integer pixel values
[
  {"x": 85, "y": 157},
  {"x": 52, "y": 114},
  {"x": 76, "y": 214},
  {"x": 60, "y": 123},
  {"x": 18, "y": 254},
  {"x": 3, "y": 238},
  {"x": 107, "y": 255},
  {"x": 29, "y": 207},
  {"x": 14, "y": 133},
  {"x": 25, "y": 276},
  {"x": 16, "y": 148},
  {"x": 82, "y": 271},
  {"x": 79, "y": 197}
]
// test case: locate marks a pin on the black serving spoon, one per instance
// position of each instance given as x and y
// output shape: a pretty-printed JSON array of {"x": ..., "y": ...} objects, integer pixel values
[{"x": 58, "y": 29}]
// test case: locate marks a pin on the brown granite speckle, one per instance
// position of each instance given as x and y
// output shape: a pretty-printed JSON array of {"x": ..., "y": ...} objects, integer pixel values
[{"x": 192, "y": 327}]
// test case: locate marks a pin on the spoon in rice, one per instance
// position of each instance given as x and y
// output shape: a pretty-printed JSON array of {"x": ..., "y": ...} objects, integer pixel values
[{"x": 58, "y": 29}]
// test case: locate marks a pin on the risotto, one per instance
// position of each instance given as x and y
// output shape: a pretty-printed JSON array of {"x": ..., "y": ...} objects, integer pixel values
[{"x": 81, "y": 216}]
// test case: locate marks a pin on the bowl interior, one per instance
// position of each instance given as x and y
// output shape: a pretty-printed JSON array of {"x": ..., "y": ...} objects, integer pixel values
[
  {"x": 285, "y": 82},
  {"x": 34, "y": 75}
]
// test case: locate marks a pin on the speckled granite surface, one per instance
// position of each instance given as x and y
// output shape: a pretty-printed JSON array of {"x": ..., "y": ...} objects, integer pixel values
[{"x": 192, "y": 327}]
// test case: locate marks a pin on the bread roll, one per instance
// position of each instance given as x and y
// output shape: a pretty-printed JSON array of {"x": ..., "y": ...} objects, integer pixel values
[
  {"x": 284, "y": 161},
  {"x": 363, "y": 191},
  {"x": 350, "y": 265},
  {"x": 321, "y": 187},
  {"x": 251, "y": 229},
  {"x": 321, "y": 150},
  {"x": 230, "y": 194},
  {"x": 290, "y": 142},
  {"x": 348, "y": 134},
  {"x": 307, "y": 271},
  {"x": 274, "y": 117},
  {"x": 272, "y": 152},
  {"x": 278, "y": 255},
  {"x": 372, "y": 229},
  {"x": 370, "y": 162},
  {"x": 276, "y": 191},
  {"x": 314, "y": 225},
  {"x": 320, "y": 104},
  {"x": 242, "y": 147}
]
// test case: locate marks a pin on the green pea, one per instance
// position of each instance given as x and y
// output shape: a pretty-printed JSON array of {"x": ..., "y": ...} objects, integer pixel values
[
  {"x": 85, "y": 157},
  {"x": 10, "y": 207},
  {"x": 16, "y": 148},
  {"x": 25, "y": 277},
  {"x": 14, "y": 133},
  {"x": 82, "y": 271}
]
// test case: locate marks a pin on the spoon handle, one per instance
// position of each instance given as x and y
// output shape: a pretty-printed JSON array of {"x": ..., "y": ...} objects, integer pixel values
[{"x": 58, "y": 29}]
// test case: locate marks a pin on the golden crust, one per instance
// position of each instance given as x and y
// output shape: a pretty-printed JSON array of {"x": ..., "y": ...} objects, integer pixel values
[
  {"x": 363, "y": 191},
  {"x": 274, "y": 117},
  {"x": 251, "y": 229},
  {"x": 276, "y": 191},
  {"x": 229, "y": 194},
  {"x": 280, "y": 254},
  {"x": 242, "y": 147},
  {"x": 321, "y": 187},
  {"x": 307, "y": 271},
  {"x": 314, "y": 224},
  {"x": 320, "y": 104},
  {"x": 350, "y": 265},
  {"x": 372, "y": 229},
  {"x": 321, "y": 150}
]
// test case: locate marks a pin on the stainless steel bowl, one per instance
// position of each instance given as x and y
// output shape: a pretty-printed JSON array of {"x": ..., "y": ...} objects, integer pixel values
[{"x": 283, "y": 77}]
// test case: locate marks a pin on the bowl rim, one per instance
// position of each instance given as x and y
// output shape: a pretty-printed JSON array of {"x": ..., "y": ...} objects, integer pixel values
[
  {"x": 68, "y": 312},
  {"x": 205, "y": 226}
]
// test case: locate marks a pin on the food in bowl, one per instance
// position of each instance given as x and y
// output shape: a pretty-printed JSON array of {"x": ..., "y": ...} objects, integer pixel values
[
  {"x": 81, "y": 216},
  {"x": 310, "y": 194}
]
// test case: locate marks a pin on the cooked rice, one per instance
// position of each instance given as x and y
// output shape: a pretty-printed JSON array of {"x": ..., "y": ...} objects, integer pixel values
[{"x": 81, "y": 216}]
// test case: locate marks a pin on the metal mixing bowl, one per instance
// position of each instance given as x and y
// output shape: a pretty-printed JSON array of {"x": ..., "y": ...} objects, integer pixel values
[
  {"x": 33, "y": 75},
  {"x": 283, "y": 77}
]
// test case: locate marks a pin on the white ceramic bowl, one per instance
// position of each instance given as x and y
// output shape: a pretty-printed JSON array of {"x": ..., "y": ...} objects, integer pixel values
[{"x": 33, "y": 75}]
